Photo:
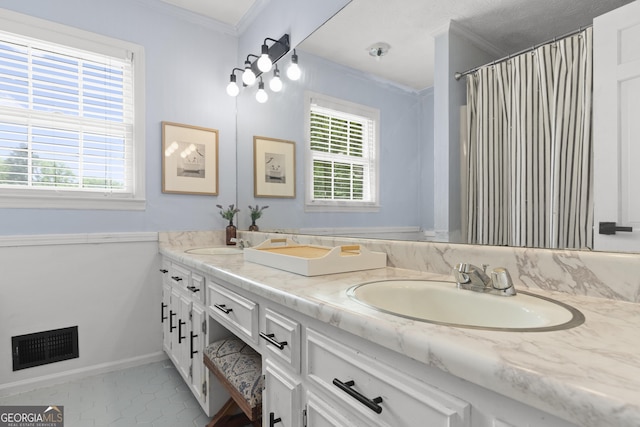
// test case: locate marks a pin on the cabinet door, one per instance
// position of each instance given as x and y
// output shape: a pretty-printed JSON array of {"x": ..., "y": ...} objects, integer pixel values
[
  {"x": 280, "y": 397},
  {"x": 196, "y": 347},
  {"x": 616, "y": 108},
  {"x": 165, "y": 311},
  {"x": 181, "y": 307}
]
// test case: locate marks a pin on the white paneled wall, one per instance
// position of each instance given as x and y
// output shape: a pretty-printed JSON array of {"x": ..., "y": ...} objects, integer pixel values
[{"x": 106, "y": 284}]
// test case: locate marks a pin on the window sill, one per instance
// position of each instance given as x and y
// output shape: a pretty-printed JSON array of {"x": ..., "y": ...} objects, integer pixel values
[
  {"x": 70, "y": 202},
  {"x": 341, "y": 207}
]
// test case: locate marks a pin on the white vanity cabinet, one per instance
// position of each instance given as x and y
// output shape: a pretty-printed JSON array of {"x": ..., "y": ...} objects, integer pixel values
[
  {"x": 184, "y": 326},
  {"x": 316, "y": 374}
]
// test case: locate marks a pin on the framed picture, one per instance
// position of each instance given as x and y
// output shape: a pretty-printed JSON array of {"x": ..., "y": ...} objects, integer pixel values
[
  {"x": 189, "y": 159},
  {"x": 274, "y": 167}
]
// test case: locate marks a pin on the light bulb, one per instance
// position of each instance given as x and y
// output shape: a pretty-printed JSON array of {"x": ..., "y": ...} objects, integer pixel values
[
  {"x": 261, "y": 95},
  {"x": 248, "y": 77},
  {"x": 293, "y": 72},
  {"x": 264, "y": 62},
  {"x": 232, "y": 87},
  {"x": 275, "y": 84}
]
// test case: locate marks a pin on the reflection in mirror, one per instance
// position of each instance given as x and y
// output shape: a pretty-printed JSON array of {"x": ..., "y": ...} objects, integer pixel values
[{"x": 416, "y": 192}]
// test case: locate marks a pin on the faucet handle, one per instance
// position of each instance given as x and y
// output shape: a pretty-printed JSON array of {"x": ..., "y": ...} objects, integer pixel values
[{"x": 501, "y": 278}]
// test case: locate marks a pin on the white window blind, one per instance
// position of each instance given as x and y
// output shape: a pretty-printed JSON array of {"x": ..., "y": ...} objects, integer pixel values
[
  {"x": 67, "y": 121},
  {"x": 342, "y": 146}
]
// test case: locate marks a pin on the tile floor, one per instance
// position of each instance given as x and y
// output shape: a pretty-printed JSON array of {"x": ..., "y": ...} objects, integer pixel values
[{"x": 152, "y": 395}]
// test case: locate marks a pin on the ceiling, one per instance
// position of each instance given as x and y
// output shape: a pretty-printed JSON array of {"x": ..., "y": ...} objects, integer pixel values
[{"x": 408, "y": 26}]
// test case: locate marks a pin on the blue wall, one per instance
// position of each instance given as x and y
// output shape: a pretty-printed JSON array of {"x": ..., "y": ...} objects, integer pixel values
[{"x": 188, "y": 59}]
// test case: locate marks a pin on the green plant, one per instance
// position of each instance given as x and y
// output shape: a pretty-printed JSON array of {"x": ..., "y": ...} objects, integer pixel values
[
  {"x": 256, "y": 212},
  {"x": 229, "y": 213}
]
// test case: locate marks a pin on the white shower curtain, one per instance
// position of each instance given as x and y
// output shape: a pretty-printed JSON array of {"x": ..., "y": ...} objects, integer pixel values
[{"x": 529, "y": 153}]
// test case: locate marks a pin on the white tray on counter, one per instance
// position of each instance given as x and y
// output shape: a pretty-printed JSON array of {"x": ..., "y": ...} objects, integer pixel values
[{"x": 311, "y": 260}]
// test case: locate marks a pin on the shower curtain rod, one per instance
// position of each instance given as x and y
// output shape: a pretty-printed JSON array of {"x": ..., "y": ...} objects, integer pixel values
[{"x": 459, "y": 75}]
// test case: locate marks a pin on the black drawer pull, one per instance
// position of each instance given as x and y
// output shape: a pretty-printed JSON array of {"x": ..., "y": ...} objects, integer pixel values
[
  {"x": 162, "y": 316},
  {"x": 180, "y": 337},
  {"x": 269, "y": 338},
  {"x": 171, "y": 314},
  {"x": 193, "y": 289},
  {"x": 191, "y": 345},
  {"x": 223, "y": 308},
  {"x": 177, "y": 278},
  {"x": 273, "y": 420},
  {"x": 372, "y": 404}
]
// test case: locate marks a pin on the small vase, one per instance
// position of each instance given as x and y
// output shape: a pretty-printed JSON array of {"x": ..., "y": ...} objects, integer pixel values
[
  {"x": 231, "y": 233},
  {"x": 253, "y": 226}
]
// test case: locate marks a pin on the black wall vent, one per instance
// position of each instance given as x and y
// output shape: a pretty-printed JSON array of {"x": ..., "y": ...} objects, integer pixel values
[{"x": 44, "y": 347}]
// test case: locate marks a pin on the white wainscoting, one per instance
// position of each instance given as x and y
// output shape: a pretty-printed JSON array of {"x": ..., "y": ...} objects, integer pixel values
[{"x": 106, "y": 284}]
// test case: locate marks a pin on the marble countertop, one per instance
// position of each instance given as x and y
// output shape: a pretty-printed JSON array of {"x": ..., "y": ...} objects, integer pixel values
[{"x": 589, "y": 375}]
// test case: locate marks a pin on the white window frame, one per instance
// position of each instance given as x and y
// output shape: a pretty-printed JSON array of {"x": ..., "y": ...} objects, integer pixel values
[
  {"x": 36, "y": 28},
  {"x": 312, "y": 205}
]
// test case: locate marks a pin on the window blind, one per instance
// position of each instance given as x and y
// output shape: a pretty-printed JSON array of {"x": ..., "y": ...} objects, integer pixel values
[
  {"x": 343, "y": 152},
  {"x": 66, "y": 118}
]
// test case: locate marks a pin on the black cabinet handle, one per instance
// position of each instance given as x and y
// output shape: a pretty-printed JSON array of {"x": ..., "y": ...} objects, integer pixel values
[
  {"x": 223, "y": 308},
  {"x": 273, "y": 420},
  {"x": 163, "y": 271},
  {"x": 177, "y": 278},
  {"x": 611, "y": 228},
  {"x": 171, "y": 314},
  {"x": 180, "y": 337},
  {"x": 191, "y": 345},
  {"x": 193, "y": 289},
  {"x": 162, "y": 316},
  {"x": 372, "y": 404},
  {"x": 271, "y": 340}
]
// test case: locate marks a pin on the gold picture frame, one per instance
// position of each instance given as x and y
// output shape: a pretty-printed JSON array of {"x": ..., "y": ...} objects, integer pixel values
[
  {"x": 274, "y": 167},
  {"x": 189, "y": 159}
]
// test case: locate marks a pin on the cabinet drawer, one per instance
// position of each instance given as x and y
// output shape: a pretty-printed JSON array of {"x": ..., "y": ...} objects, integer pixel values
[
  {"x": 233, "y": 310},
  {"x": 180, "y": 276},
  {"x": 197, "y": 288},
  {"x": 281, "y": 337},
  {"x": 376, "y": 391}
]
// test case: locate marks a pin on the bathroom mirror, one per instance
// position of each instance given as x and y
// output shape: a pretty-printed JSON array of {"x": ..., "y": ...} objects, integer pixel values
[{"x": 408, "y": 197}]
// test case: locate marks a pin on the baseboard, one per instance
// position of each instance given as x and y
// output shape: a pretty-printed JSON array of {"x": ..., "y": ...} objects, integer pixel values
[{"x": 66, "y": 376}]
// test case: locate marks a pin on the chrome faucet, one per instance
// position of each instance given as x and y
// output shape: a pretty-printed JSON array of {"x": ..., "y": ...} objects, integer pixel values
[
  {"x": 240, "y": 243},
  {"x": 473, "y": 278}
]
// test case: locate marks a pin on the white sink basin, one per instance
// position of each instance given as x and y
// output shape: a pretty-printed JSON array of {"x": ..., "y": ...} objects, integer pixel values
[
  {"x": 219, "y": 250},
  {"x": 443, "y": 303}
]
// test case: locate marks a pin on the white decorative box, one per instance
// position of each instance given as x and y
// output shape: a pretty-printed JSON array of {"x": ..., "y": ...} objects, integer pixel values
[{"x": 311, "y": 260}]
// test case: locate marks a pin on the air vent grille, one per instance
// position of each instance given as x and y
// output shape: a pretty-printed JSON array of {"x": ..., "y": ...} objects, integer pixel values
[{"x": 44, "y": 347}]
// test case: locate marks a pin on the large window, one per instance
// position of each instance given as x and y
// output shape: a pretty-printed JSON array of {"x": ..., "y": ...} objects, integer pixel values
[
  {"x": 68, "y": 130},
  {"x": 342, "y": 146}
]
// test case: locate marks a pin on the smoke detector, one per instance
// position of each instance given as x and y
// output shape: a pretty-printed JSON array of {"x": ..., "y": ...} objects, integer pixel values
[{"x": 379, "y": 49}]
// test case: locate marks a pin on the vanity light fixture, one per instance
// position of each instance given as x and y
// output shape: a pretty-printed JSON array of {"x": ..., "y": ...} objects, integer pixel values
[
  {"x": 232, "y": 87},
  {"x": 253, "y": 69},
  {"x": 261, "y": 95},
  {"x": 248, "y": 76},
  {"x": 275, "y": 84},
  {"x": 293, "y": 72}
]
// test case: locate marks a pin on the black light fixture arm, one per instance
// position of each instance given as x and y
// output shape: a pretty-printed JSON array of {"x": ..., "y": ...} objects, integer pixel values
[{"x": 277, "y": 50}]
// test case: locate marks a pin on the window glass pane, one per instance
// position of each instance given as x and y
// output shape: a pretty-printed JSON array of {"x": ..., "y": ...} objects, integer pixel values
[
  {"x": 343, "y": 155},
  {"x": 65, "y": 118}
]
